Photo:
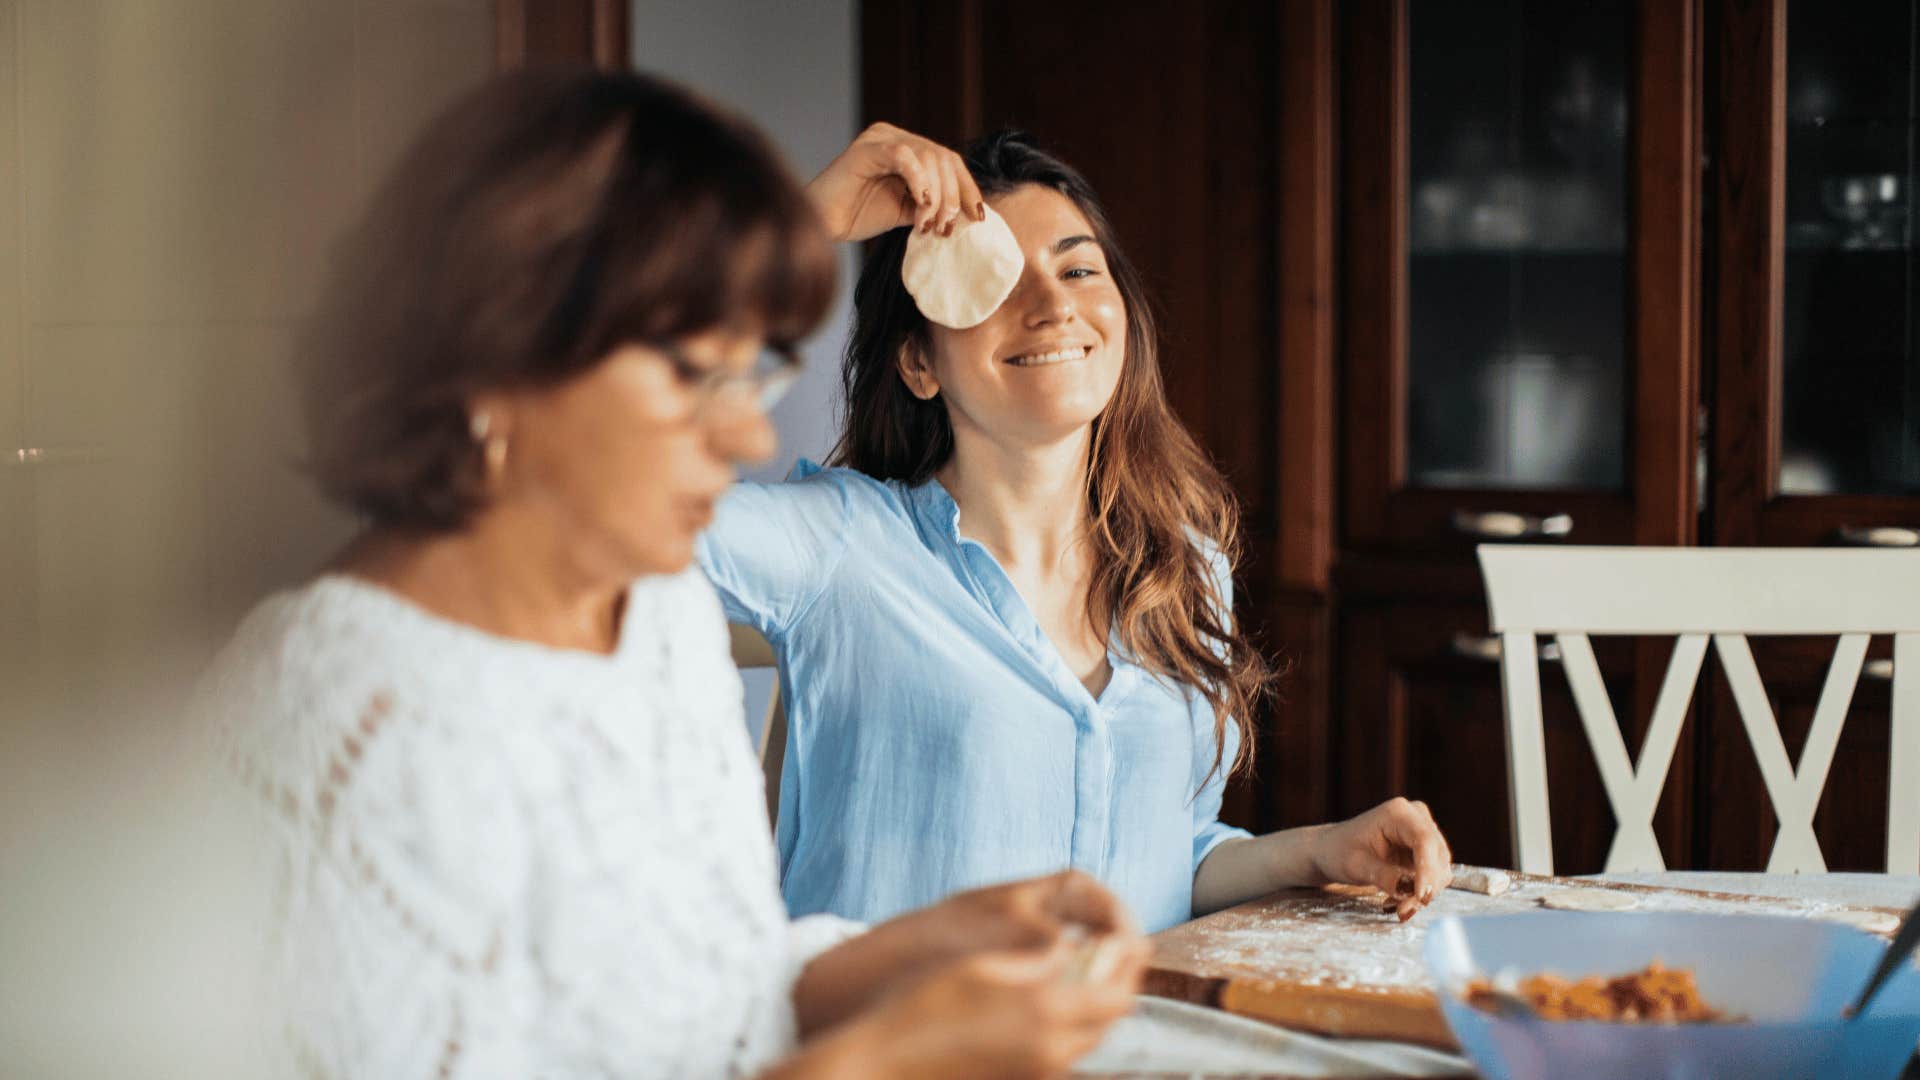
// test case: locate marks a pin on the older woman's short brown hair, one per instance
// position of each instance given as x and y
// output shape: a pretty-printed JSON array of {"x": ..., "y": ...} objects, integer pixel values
[{"x": 541, "y": 222}]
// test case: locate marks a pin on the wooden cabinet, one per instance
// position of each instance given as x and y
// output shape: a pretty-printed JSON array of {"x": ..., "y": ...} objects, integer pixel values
[
  {"x": 1438, "y": 273},
  {"x": 1736, "y": 365},
  {"x": 1518, "y": 266},
  {"x": 1816, "y": 382},
  {"x": 1519, "y": 362}
]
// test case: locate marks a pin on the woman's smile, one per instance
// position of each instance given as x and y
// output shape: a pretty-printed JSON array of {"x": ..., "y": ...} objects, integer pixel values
[{"x": 1055, "y": 355}]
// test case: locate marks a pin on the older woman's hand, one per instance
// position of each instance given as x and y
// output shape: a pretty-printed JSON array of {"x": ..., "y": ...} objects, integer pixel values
[
  {"x": 1395, "y": 847},
  {"x": 1019, "y": 915},
  {"x": 887, "y": 178},
  {"x": 1025, "y": 1013},
  {"x": 1022, "y": 915},
  {"x": 1006, "y": 1014}
]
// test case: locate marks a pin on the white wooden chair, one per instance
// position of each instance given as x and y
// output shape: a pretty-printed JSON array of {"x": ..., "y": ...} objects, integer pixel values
[
  {"x": 1697, "y": 593},
  {"x": 750, "y": 650}
]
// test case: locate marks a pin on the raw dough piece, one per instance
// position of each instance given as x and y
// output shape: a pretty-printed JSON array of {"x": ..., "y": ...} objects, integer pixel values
[
  {"x": 957, "y": 281},
  {"x": 1873, "y": 922},
  {"x": 1479, "y": 879},
  {"x": 1093, "y": 957},
  {"x": 1588, "y": 900}
]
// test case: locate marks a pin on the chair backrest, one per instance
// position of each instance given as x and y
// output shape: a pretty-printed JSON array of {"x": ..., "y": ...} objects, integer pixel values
[
  {"x": 750, "y": 650},
  {"x": 1724, "y": 594}
]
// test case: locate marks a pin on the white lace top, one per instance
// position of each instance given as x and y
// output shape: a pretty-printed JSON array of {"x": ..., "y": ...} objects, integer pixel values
[{"x": 492, "y": 858}]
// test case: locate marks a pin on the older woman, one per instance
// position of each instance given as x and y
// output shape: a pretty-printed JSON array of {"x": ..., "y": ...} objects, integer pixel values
[
  {"x": 1003, "y": 619},
  {"x": 514, "y": 813}
]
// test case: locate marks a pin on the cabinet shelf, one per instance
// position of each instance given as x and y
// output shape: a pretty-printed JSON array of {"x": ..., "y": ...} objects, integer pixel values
[
  {"x": 1424, "y": 253},
  {"x": 1828, "y": 248}
]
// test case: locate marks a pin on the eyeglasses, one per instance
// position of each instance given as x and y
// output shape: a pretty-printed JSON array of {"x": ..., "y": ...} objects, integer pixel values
[{"x": 774, "y": 372}]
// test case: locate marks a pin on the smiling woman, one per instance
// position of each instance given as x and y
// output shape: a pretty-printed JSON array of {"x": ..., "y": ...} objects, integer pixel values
[
  {"x": 1069, "y": 363},
  {"x": 1003, "y": 618}
]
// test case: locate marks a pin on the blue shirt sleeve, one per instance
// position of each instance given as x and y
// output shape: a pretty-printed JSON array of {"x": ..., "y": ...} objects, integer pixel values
[
  {"x": 772, "y": 548},
  {"x": 1208, "y": 831}
]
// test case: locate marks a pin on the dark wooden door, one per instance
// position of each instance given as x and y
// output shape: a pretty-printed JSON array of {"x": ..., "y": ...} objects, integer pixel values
[
  {"x": 1519, "y": 184},
  {"x": 561, "y": 31},
  {"x": 1816, "y": 372},
  {"x": 1519, "y": 362}
]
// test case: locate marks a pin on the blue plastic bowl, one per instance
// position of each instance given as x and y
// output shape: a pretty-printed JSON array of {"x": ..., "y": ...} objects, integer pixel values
[{"x": 1789, "y": 978}]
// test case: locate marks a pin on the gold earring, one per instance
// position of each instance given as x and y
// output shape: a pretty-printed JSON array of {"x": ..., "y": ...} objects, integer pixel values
[{"x": 493, "y": 447}]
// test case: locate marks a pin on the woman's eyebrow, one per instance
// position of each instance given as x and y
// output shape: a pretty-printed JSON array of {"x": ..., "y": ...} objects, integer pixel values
[{"x": 1061, "y": 247}]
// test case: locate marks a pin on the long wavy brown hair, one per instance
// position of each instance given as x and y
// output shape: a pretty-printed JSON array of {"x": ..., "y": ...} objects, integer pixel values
[{"x": 1160, "y": 514}]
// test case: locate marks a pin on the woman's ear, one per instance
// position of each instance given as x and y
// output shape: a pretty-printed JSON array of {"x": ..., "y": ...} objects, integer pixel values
[{"x": 917, "y": 373}]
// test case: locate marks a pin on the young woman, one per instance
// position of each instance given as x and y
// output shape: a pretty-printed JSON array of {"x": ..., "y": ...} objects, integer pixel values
[
  {"x": 1003, "y": 619},
  {"x": 514, "y": 820}
]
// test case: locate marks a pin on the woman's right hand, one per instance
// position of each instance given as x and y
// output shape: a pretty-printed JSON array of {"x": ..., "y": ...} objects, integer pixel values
[
  {"x": 889, "y": 177},
  {"x": 1005, "y": 1014}
]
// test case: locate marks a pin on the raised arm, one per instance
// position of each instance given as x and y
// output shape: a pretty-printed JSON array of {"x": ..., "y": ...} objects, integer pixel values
[
  {"x": 888, "y": 178},
  {"x": 772, "y": 548}
]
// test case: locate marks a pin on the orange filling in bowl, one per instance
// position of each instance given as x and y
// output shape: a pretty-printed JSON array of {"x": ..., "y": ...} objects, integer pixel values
[{"x": 1657, "y": 995}]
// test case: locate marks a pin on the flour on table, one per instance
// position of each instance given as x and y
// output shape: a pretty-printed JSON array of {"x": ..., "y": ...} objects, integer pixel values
[
  {"x": 1346, "y": 942},
  {"x": 1873, "y": 922},
  {"x": 1589, "y": 900}
]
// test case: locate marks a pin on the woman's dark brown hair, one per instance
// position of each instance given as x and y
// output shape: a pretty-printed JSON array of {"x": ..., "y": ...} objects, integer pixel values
[
  {"x": 1159, "y": 512},
  {"x": 541, "y": 222}
]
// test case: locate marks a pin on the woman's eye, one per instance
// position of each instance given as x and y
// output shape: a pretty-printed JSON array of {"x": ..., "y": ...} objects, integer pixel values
[{"x": 1081, "y": 272}]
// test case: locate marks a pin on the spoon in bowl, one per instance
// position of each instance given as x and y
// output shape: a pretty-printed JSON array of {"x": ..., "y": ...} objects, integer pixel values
[{"x": 1906, "y": 940}]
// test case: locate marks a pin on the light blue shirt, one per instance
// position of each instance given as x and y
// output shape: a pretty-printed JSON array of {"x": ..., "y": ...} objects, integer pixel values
[{"x": 936, "y": 739}]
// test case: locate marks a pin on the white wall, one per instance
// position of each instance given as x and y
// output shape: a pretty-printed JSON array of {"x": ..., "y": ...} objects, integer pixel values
[{"x": 793, "y": 68}]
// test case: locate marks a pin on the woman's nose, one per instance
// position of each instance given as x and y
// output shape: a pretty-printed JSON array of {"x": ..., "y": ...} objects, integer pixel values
[
  {"x": 1046, "y": 301},
  {"x": 740, "y": 432}
]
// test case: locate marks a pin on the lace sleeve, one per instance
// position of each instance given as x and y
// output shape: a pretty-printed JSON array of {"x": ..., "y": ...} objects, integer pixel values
[
  {"x": 812, "y": 935},
  {"x": 494, "y": 860},
  {"x": 402, "y": 939}
]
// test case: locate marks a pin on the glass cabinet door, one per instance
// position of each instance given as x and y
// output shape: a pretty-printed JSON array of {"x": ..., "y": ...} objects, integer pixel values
[
  {"x": 1850, "y": 366},
  {"x": 1517, "y": 265}
]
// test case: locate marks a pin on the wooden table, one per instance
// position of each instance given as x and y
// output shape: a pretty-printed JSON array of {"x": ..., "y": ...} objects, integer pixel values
[{"x": 1279, "y": 959}]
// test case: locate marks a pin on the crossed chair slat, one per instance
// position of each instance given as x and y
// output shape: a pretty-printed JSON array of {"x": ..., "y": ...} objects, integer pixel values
[{"x": 1700, "y": 595}]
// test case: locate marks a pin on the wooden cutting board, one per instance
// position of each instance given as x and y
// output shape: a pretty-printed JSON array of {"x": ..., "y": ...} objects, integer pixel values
[{"x": 1330, "y": 961}]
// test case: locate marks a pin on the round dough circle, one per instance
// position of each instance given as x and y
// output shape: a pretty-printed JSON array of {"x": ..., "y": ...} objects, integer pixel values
[
  {"x": 959, "y": 280},
  {"x": 1589, "y": 900},
  {"x": 1873, "y": 922}
]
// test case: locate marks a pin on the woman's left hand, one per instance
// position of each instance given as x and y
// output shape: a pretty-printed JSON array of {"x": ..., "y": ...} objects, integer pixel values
[
  {"x": 1018, "y": 916},
  {"x": 1395, "y": 847},
  {"x": 889, "y": 177}
]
